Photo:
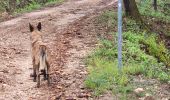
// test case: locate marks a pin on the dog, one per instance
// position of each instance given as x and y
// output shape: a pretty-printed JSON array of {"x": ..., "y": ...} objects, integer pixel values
[{"x": 40, "y": 57}]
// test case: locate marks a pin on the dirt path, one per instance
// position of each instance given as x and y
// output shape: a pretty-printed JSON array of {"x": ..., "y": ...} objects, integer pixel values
[{"x": 68, "y": 46}]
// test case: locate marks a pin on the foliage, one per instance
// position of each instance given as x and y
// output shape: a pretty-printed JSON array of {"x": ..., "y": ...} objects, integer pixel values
[
  {"x": 29, "y": 7},
  {"x": 146, "y": 9},
  {"x": 34, "y": 5},
  {"x": 24, "y": 5},
  {"x": 158, "y": 49},
  {"x": 2, "y": 5}
]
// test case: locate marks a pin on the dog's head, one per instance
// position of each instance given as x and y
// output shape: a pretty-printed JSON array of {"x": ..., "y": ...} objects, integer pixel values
[
  {"x": 33, "y": 28},
  {"x": 36, "y": 33}
]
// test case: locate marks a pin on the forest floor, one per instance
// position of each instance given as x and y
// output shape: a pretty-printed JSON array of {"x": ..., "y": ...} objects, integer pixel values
[{"x": 69, "y": 36}]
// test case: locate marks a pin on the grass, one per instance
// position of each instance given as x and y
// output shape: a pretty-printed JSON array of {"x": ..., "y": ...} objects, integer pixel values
[
  {"x": 101, "y": 77},
  {"x": 142, "y": 55},
  {"x": 50, "y": 2},
  {"x": 157, "y": 20},
  {"x": 146, "y": 9},
  {"x": 34, "y": 5},
  {"x": 102, "y": 64},
  {"x": 28, "y": 8}
]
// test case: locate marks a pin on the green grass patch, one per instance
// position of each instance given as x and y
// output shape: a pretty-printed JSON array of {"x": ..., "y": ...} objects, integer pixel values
[
  {"x": 34, "y": 5},
  {"x": 102, "y": 65},
  {"x": 51, "y": 2},
  {"x": 28, "y": 8},
  {"x": 103, "y": 74}
]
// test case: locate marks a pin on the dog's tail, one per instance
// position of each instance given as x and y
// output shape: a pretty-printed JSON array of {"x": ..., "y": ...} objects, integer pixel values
[{"x": 43, "y": 57}]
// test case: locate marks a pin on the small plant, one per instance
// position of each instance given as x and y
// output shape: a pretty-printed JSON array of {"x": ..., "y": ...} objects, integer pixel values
[
  {"x": 157, "y": 49},
  {"x": 163, "y": 76}
]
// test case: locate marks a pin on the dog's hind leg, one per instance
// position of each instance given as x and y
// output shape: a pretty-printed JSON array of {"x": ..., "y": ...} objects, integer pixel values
[
  {"x": 34, "y": 71},
  {"x": 38, "y": 76},
  {"x": 44, "y": 73},
  {"x": 34, "y": 74},
  {"x": 47, "y": 72}
]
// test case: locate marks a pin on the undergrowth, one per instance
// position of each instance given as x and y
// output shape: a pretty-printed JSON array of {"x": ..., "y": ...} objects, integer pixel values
[
  {"x": 142, "y": 55},
  {"x": 35, "y": 5},
  {"x": 145, "y": 7}
]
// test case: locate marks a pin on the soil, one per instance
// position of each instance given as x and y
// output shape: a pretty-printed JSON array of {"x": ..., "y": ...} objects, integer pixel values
[{"x": 67, "y": 34}]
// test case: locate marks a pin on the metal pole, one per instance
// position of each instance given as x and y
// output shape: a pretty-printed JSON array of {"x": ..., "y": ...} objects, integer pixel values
[{"x": 120, "y": 35}]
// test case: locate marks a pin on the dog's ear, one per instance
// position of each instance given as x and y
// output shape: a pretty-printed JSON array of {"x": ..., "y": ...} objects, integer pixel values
[
  {"x": 39, "y": 26},
  {"x": 31, "y": 28}
]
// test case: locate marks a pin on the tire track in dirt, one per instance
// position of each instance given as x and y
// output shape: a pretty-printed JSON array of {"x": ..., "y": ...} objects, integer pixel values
[{"x": 68, "y": 47}]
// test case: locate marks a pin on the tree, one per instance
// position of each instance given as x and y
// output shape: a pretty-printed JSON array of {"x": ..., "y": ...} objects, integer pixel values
[{"x": 132, "y": 11}]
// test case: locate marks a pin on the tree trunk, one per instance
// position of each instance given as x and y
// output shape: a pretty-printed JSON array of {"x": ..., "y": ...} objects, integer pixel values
[
  {"x": 126, "y": 6},
  {"x": 155, "y": 5},
  {"x": 132, "y": 11}
]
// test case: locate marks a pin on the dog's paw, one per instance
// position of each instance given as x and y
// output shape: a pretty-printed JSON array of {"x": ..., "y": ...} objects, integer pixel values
[{"x": 32, "y": 75}]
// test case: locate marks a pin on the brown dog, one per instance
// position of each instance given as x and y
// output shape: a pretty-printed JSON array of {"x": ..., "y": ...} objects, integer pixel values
[{"x": 40, "y": 58}]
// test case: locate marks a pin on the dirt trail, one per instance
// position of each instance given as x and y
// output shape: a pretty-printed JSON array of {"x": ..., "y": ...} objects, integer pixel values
[{"x": 68, "y": 48}]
